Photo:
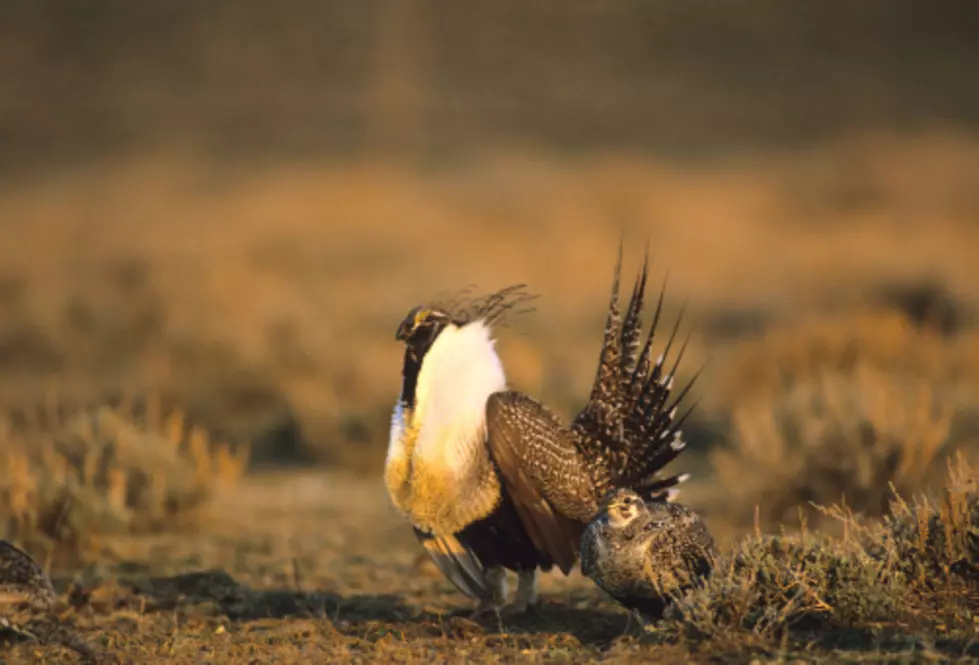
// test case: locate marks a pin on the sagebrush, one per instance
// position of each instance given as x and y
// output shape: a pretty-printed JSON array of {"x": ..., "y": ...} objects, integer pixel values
[
  {"x": 910, "y": 574},
  {"x": 841, "y": 412},
  {"x": 68, "y": 476}
]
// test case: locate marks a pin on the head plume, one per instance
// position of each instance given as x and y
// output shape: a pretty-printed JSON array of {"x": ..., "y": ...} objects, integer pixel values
[{"x": 495, "y": 309}]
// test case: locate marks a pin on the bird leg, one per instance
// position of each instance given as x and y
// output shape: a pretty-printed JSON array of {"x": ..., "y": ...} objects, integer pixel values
[
  {"x": 496, "y": 578},
  {"x": 643, "y": 624},
  {"x": 526, "y": 595},
  {"x": 628, "y": 622}
]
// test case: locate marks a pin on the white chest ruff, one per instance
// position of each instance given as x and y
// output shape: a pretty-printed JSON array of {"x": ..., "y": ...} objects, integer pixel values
[{"x": 438, "y": 471}]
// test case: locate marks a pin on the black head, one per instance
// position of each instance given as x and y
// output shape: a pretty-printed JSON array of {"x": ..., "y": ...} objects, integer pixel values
[{"x": 420, "y": 328}]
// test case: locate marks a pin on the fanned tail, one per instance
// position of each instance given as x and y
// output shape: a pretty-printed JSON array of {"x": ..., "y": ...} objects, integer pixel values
[{"x": 629, "y": 430}]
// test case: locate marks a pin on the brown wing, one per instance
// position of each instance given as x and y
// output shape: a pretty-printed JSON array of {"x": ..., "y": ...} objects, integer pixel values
[
  {"x": 458, "y": 563},
  {"x": 542, "y": 472}
]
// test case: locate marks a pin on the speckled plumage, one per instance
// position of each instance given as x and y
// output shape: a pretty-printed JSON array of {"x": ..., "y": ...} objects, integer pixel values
[
  {"x": 22, "y": 578},
  {"x": 643, "y": 554},
  {"x": 629, "y": 429},
  {"x": 506, "y": 484}
]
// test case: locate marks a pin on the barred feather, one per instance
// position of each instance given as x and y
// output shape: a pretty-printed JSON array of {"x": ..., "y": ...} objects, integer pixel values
[
  {"x": 601, "y": 415},
  {"x": 632, "y": 330},
  {"x": 628, "y": 430}
]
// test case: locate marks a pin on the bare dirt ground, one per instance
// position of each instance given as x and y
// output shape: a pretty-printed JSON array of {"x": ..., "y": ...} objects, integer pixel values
[{"x": 317, "y": 567}]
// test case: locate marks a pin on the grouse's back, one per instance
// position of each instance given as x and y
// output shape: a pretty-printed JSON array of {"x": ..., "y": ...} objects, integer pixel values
[{"x": 677, "y": 550}]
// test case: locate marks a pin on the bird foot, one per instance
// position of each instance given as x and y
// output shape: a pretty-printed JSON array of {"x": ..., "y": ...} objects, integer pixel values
[
  {"x": 483, "y": 608},
  {"x": 521, "y": 606},
  {"x": 487, "y": 608}
]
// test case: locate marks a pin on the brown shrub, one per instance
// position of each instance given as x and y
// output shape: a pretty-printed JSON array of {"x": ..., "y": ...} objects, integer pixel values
[
  {"x": 913, "y": 574},
  {"x": 65, "y": 479},
  {"x": 935, "y": 545},
  {"x": 841, "y": 411},
  {"x": 758, "y": 370}
]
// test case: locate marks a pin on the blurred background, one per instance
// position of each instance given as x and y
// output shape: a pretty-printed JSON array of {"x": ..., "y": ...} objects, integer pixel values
[{"x": 231, "y": 205}]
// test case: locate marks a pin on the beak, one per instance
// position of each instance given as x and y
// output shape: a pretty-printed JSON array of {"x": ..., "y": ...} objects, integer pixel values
[{"x": 403, "y": 330}]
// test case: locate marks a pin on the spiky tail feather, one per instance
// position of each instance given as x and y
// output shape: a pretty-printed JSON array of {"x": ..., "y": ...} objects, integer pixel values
[
  {"x": 661, "y": 489},
  {"x": 629, "y": 429}
]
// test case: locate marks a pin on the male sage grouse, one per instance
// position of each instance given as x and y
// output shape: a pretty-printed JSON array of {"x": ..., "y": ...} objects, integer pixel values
[
  {"x": 489, "y": 477},
  {"x": 642, "y": 554}
]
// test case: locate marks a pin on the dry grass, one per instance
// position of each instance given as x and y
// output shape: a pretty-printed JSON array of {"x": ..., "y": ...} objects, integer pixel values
[
  {"x": 317, "y": 566},
  {"x": 910, "y": 578},
  {"x": 879, "y": 340},
  {"x": 68, "y": 480},
  {"x": 842, "y": 410}
]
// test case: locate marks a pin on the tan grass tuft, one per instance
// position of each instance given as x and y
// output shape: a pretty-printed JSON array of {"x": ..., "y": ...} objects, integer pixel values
[
  {"x": 65, "y": 481},
  {"x": 841, "y": 411},
  {"x": 912, "y": 572}
]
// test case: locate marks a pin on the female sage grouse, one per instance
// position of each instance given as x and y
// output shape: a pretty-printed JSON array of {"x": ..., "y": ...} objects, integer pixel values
[
  {"x": 644, "y": 554},
  {"x": 489, "y": 477}
]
